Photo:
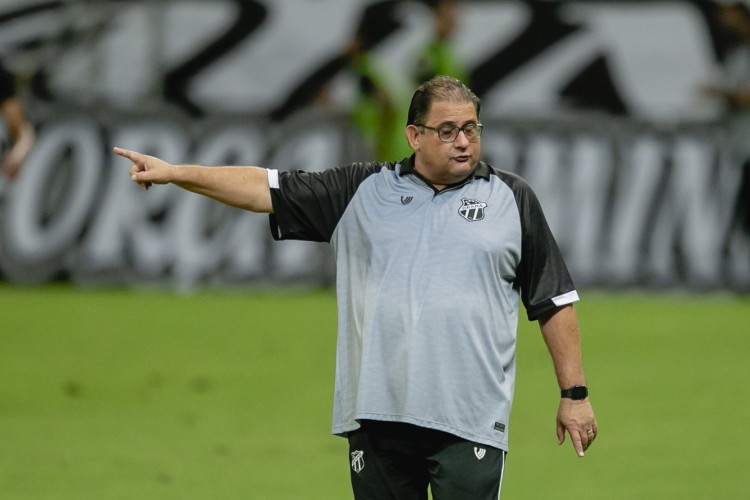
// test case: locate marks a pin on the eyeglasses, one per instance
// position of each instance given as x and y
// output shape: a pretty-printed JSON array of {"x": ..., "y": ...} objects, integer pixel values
[{"x": 449, "y": 133}]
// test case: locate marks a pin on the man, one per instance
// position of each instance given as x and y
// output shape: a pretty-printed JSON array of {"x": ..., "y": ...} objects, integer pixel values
[
  {"x": 433, "y": 253},
  {"x": 20, "y": 131}
]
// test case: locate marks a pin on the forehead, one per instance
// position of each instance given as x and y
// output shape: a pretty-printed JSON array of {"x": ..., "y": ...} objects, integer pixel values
[{"x": 451, "y": 112}]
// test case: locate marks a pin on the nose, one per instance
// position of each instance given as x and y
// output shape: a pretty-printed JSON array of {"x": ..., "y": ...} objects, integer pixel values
[{"x": 461, "y": 140}]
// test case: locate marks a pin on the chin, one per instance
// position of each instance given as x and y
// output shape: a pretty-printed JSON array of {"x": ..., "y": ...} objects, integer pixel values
[{"x": 464, "y": 168}]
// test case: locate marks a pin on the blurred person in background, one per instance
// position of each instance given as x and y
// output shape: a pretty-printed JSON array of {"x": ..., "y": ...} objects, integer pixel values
[
  {"x": 19, "y": 130},
  {"x": 376, "y": 107},
  {"x": 377, "y": 98},
  {"x": 433, "y": 253},
  {"x": 734, "y": 91},
  {"x": 438, "y": 56}
]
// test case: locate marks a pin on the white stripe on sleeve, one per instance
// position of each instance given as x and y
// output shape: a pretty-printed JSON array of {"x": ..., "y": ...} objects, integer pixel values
[
  {"x": 566, "y": 298},
  {"x": 273, "y": 178}
]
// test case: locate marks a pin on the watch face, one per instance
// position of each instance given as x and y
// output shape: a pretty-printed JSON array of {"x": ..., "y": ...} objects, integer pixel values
[
  {"x": 578, "y": 392},
  {"x": 575, "y": 392}
]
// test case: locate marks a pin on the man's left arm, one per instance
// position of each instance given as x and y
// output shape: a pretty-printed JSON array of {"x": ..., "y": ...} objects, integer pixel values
[{"x": 561, "y": 334}]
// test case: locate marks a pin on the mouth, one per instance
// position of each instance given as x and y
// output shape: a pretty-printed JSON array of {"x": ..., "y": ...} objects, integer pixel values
[{"x": 462, "y": 158}]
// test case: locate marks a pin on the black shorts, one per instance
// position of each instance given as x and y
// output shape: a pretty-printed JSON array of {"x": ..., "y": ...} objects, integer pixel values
[{"x": 394, "y": 461}]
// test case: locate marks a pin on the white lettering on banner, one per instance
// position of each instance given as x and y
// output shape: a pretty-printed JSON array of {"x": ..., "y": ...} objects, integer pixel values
[
  {"x": 314, "y": 150},
  {"x": 52, "y": 200},
  {"x": 590, "y": 162},
  {"x": 637, "y": 188},
  {"x": 203, "y": 227},
  {"x": 640, "y": 208},
  {"x": 632, "y": 206},
  {"x": 125, "y": 220},
  {"x": 195, "y": 235},
  {"x": 692, "y": 216},
  {"x": 652, "y": 209},
  {"x": 546, "y": 174}
]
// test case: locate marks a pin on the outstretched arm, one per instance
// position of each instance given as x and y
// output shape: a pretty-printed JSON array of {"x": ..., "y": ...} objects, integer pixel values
[
  {"x": 242, "y": 187},
  {"x": 560, "y": 332}
]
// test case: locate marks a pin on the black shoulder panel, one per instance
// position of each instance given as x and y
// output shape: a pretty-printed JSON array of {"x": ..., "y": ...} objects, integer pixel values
[
  {"x": 308, "y": 205},
  {"x": 542, "y": 274}
]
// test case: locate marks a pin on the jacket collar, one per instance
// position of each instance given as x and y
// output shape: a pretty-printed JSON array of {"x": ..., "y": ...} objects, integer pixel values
[{"x": 481, "y": 171}]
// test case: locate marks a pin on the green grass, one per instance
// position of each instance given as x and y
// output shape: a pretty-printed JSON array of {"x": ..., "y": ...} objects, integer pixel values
[{"x": 108, "y": 394}]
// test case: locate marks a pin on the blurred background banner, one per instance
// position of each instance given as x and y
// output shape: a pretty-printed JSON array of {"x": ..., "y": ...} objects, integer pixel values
[{"x": 595, "y": 103}]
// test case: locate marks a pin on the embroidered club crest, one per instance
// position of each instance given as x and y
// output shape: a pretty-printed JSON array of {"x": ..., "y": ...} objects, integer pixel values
[
  {"x": 472, "y": 210},
  {"x": 358, "y": 461}
]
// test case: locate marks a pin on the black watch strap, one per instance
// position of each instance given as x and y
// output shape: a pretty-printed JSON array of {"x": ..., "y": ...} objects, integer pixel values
[{"x": 576, "y": 392}]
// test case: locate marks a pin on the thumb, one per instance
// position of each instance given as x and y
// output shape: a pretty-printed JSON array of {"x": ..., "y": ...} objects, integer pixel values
[
  {"x": 141, "y": 178},
  {"x": 560, "y": 433}
]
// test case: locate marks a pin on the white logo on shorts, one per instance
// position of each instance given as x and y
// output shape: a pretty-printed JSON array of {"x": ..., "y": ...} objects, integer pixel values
[
  {"x": 480, "y": 453},
  {"x": 358, "y": 461}
]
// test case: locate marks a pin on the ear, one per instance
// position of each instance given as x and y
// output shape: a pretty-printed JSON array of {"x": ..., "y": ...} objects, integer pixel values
[{"x": 413, "y": 136}]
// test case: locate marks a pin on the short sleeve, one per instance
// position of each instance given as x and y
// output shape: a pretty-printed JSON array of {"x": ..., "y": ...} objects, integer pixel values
[
  {"x": 309, "y": 205},
  {"x": 542, "y": 275}
]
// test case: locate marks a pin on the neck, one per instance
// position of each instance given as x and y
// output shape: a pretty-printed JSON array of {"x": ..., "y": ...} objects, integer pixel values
[{"x": 437, "y": 185}]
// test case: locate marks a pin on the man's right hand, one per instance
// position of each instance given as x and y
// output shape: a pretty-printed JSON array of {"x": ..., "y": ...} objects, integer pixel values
[{"x": 147, "y": 170}]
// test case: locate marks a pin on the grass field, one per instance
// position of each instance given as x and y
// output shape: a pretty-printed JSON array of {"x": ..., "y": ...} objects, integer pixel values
[{"x": 227, "y": 395}]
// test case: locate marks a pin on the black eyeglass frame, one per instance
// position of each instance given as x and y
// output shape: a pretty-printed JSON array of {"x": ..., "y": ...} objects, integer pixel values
[{"x": 455, "y": 131}]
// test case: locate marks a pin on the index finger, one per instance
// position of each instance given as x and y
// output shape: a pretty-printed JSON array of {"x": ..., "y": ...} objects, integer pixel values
[
  {"x": 575, "y": 437},
  {"x": 130, "y": 155}
]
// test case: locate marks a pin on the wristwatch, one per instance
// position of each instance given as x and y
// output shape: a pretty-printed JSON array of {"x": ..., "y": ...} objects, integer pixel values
[{"x": 576, "y": 392}]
